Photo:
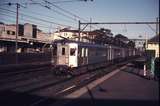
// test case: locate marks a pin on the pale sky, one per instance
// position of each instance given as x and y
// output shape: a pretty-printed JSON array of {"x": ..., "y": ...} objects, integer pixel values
[{"x": 48, "y": 19}]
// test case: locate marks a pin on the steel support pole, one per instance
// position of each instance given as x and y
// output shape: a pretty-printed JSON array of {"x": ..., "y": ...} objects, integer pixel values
[
  {"x": 17, "y": 30},
  {"x": 157, "y": 26},
  {"x": 79, "y": 30}
]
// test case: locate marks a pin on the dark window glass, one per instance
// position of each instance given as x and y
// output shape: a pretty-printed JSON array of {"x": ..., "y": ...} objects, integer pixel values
[
  {"x": 72, "y": 51},
  {"x": 20, "y": 30},
  {"x": 55, "y": 51},
  {"x": 63, "y": 51},
  {"x": 13, "y": 33},
  {"x": 8, "y": 32},
  {"x": 34, "y": 31}
]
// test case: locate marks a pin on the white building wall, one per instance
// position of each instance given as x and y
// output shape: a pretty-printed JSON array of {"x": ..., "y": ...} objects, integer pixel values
[
  {"x": 28, "y": 29},
  {"x": 68, "y": 35},
  {"x": 7, "y": 31},
  {"x": 154, "y": 46}
]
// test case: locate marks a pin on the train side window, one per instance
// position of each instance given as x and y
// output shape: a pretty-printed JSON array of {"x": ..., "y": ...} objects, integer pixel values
[
  {"x": 63, "y": 51},
  {"x": 72, "y": 51},
  {"x": 82, "y": 52},
  {"x": 86, "y": 52}
]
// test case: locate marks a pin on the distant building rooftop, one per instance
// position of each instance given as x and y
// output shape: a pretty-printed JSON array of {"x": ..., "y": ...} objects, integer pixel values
[
  {"x": 68, "y": 30},
  {"x": 154, "y": 39}
]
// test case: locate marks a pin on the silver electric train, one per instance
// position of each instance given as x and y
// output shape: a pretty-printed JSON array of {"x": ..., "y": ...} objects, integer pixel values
[{"x": 73, "y": 54}]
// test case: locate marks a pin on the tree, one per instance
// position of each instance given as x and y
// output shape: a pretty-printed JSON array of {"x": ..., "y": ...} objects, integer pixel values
[
  {"x": 1, "y": 23},
  {"x": 102, "y": 36},
  {"x": 131, "y": 44},
  {"x": 121, "y": 37}
]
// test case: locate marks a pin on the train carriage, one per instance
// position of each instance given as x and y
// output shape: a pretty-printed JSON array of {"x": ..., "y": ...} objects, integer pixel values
[
  {"x": 72, "y": 54},
  {"x": 67, "y": 54}
]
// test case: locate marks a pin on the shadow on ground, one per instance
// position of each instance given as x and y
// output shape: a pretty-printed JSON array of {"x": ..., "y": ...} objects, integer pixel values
[{"x": 10, "y": 98}]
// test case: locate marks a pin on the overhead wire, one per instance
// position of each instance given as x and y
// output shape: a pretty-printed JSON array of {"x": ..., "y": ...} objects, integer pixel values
[
  {"x": 66, "y": 11},
  {"x": 32, "y": 17},
  {"x": 60, "y": 13},
  {"x": 47, "y": 16},
  {"x": 66, "y": 1},
  {"x": 74, "y": 16},
  {"x": 43, "y": 6},
  {"x": 39, "y": 25},
  {"x": 151, "y": 27},
  {"x": 38, "y": 14}
]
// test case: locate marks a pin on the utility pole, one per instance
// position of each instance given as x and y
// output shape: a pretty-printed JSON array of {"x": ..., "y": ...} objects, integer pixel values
[
  {"x": 146, "y": 41},
  {"x": 79, "y": 30},
  {"x": 157, "y": 26},
  {"x": 17, "y": 28},
  {"x": 90, "y": 24},
  {"x": 90, "y": 31}
]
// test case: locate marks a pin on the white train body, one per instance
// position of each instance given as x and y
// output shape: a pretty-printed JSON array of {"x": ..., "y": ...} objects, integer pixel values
[
  {"x": 75, "y": 54},
  {"x": 67, "y": 54}
]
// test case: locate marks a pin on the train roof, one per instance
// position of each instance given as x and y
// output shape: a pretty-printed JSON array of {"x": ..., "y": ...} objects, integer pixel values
[{"x": 85, "y": 44}]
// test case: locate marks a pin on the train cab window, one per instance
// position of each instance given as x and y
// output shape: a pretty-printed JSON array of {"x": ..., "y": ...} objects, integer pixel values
[
  {"x": 8, "y": 32},
  {"x": 63, "y": 51},
  {"x": 72, "y": 52}
]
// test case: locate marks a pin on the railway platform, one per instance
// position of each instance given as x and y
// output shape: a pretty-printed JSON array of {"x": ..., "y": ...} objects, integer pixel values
[{"x": 124, "y": 88}]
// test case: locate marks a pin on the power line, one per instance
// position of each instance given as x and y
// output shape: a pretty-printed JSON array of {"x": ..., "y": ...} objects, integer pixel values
[
  {"x": 51, "y": 17},
  {"x": 8, "y": 20},
  {"x": 41, "y": 4},
  {"x": 67, "y": 1},
  {"x": 60, "y": 13},
  {"x": 121, "y": 23},
  {"x": 43, "y": 19},
  {"x": 39, "y": 25},
  {"x": 36, "y": 18},
  {"x": 68, "y": 12},
  {"x": 151, "y": 28}
]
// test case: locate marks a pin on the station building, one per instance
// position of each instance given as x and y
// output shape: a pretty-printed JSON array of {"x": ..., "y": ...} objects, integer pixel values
[
  {"x": 152, "y": 54},
  {"x": 153, "y": 46},
  {"x": 70, "y": 34},
  {"x": 30, "y": 38}
]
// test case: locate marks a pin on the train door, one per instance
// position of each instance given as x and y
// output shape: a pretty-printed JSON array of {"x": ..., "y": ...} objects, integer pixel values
[
  {"x": 73, "y": 55},
  {"x": 62, "y": 54}
]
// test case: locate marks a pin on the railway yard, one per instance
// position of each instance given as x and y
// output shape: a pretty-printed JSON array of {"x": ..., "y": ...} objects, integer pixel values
[
  {"x": 40, "y": 86},
  {"x": 79, "y": 53}
]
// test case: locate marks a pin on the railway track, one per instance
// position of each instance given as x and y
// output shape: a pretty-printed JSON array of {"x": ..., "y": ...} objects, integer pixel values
[
  {"x": 21, "y": 77},
  {"x": 73, "y": 85},
  {"x": 14, "y": 72},
  {"x": 46, "y": 87},
  {"x": 15, "y": 76}
]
